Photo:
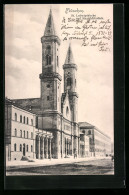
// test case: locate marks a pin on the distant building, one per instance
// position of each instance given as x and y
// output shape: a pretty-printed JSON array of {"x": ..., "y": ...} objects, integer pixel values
[
  {"x": 47, "y": 127},
  {"x": 99, "y": 142}
]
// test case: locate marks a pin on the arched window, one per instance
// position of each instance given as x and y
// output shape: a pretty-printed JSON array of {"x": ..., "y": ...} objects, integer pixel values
[
  {"x": 20, "y": 148},
  {"x": 31, "y": 135},
  {"x": 15, "y": 132},
  {"x": 20, "y": 118},
  {"x": 20, "y": 133},
  {"x": 31, "y": 148},
  {"x": 27, "y": 121},
  {"x": 48, "y": 50},
  {"x": 15, "y": 116},
  {"x": 67, "y": 111},
  {"x": 69, "y": 82},
  {"x": 48, "y": 59},
  {"x": 24, "y": 134},
  {"x": 31, "y": 121},
  {"x": 27, "y": 148},
  {"x": 89, "y": 132},
  {"x": 27, "y": 134},
  {"x": 15, "y": 147},
  {"x": 48, "y": 30},
  {"x": 57, "y": 61},
  {"x": 24, "y": 120},
  {"x": 48, "y": 98}
]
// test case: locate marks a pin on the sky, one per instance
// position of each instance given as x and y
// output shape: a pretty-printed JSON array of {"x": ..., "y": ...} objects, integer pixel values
[{"x": 24, "y": 27}]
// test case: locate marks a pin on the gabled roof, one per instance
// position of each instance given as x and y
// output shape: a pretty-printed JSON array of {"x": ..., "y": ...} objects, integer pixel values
[
  {"x": 69, "y": 57},
  {"x": 85, "y": 125},
  {"x": 50, "y": 29}
]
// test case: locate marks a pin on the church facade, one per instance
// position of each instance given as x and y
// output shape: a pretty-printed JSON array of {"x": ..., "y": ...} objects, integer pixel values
[{"x": 55, "y": 127}]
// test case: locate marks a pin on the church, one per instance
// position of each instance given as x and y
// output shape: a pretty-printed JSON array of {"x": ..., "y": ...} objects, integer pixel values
[{"x": 47, "y": 127}]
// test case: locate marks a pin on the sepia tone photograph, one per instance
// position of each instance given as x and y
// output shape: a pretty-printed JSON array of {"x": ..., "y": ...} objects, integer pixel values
[{"x": 59, "y": 89}]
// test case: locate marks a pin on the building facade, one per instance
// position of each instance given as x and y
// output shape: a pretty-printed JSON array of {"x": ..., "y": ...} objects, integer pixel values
[
  {"x": 55, "y": 131},
  {"x": 99, "y": 142}
]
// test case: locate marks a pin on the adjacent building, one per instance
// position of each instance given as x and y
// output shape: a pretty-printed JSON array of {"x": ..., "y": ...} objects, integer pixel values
[{"x": 99, "y": 142}]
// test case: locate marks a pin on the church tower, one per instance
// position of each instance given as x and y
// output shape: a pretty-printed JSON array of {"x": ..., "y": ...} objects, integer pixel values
[
  {"x": 70, "y": 83},
  {"x": 50, "y": 114},
  {"x": 50, "y": 77}
]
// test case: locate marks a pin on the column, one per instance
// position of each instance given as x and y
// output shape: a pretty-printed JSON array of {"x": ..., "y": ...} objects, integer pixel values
[
  {"x": 34, "y": 145},
  {"x": 71, "y": 145},
  {"x": 65, "y": 146},
  {"x": 84, "y": 145},
  {"x": 79, "y": 146},
  {"x": 62, "y": 145},
  {"x": 57, "y": 145},
  {"x": 43, "y": 147},
  {"x": 50, "y": 147},
  {"x": 38, "y": 147},
  {"x": 46, "y": 147},
  {"x": 76, "y": 146}
]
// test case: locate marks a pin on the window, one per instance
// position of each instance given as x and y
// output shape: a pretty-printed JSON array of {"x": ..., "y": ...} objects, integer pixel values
[
  {"x": 67, "y": 111},
  {"x": 20, "y": 133},
  {"x": 31, "y": 135},
  {"x": 68, "y": 81},
  {"x": 15, "y": 132},
  {"x": 20, "y": 118},
  {"x": 27, "y": 121},
  {"x": 48, "y": 86},
  {"x": 31, "y": 148},
  {"x": 24, "y": 134},
  {"x": 48, "y": 59},
  {"x": 27, "y": 148},
  {"x": 36, "y": 121},
  {"x": 47, "y": 97},
  {"x": 20, "y": 148},
  {"x": 89, "y": 132},
  {"x": 15, "y": 147},
  {"x": 48, "y": 49},
  {"x": 27, "y": 134},
  {"x": 24, "y": 120},
  {"x": 15, "y": 116},
  {"x": 57, "y": 61},
  {"x": 31, "y": 121}
]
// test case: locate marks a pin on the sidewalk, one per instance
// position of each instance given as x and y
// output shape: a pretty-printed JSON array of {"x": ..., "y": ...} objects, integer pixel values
[{"x": 48, "y": 162}]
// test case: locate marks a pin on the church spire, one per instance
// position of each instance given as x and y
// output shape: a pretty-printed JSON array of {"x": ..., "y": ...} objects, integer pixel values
[
  {"x": 69, "y": 58},
  {"x": 50, "y": 29}
]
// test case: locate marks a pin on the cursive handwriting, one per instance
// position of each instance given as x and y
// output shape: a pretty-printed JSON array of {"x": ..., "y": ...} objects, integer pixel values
[{"x": 91, "y": 30}]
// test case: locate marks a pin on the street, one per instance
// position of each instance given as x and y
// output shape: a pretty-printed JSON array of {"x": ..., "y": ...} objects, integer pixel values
[{"x": 91, "y": 167}]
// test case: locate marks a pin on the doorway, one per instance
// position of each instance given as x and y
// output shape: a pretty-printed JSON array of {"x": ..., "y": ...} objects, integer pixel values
[{"x": 24, "y": 150}]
